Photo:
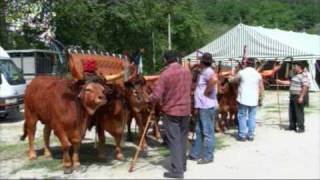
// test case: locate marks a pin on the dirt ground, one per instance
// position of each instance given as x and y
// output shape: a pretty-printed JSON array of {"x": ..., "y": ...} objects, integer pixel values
[{"x": 275, "y": 153}]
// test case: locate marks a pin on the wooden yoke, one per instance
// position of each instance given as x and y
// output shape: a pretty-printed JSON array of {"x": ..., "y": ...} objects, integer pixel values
[{"x": 110, "y": 68}]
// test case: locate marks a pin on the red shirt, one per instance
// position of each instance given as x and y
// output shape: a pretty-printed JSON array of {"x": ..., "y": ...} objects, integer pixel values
[{"x": 173, "y": 90}]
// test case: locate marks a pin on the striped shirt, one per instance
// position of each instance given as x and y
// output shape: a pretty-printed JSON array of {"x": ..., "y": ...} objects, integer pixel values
[{"x": 297, "y": 82}]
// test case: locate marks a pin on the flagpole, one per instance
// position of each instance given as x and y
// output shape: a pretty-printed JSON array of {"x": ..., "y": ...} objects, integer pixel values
[
  {"x": 153, "y": 53},
  {"x": 169, "y": 31}
]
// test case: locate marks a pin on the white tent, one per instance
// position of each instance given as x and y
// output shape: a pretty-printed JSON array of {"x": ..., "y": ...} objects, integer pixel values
[{"x": 264, "y": 43}]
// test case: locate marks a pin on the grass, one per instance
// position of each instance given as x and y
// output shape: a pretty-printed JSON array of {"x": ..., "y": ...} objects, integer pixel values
[
  {"x": 87, "y": 154},
  {"x": 50, "y": 164},
  {"x": 220, "y": 143}
]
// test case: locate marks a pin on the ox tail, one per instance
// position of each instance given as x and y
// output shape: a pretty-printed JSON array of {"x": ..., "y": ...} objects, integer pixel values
[{"x": 23, "y": 137}]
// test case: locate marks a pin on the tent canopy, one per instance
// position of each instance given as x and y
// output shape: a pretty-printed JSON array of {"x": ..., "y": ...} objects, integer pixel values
[
  {"x": 264, "y": 43},
  {"x": 261, "y": 43}
]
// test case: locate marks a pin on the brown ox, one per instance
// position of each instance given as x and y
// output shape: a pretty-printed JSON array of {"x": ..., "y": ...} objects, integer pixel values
[
  {"x": 112, "y": 117},
  {"x": 64, "y": 106},
  {"x": 227, "y": 99},
  {"x": 140, "y": 109},
  {"x": 124, "y": 103}
]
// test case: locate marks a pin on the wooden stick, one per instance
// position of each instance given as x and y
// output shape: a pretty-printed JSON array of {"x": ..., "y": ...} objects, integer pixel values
[
  {"x": 135, "y": 157},
  {"x": 278, "y": 99}
]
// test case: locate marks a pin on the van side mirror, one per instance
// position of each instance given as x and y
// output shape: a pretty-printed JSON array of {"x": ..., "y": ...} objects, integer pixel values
[{"x": 0, "y": 78}]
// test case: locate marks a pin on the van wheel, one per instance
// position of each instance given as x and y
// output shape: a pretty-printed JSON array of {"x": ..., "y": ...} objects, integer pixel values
[{"x": 3, "y": 117}]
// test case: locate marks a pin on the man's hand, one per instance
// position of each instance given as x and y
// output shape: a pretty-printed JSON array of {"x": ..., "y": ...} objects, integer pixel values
[
  {"x": 212, "y": 81},
  {"x": 207, "y": 92},
  {"x": 300, "y": 100}
]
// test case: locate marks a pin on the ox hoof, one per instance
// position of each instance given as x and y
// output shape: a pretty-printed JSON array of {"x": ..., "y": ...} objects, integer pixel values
[
  {"x": 67, "y": 170},
  {"x": 76, "y": 166},
  {"x": 145, "y": 148},
  {"x": 160, "y": 140},
  {"x": 101, "y": 157},
  {"x": 32, "y": 156},
  {"x": 129, "y": 139},
  {"x": 119, "y": 157},
  {"x": 47, "y": 155}
]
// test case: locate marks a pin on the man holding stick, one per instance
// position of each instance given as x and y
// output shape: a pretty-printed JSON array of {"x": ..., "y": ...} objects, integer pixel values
[
  {"x": 173, "y": 91},
  {"x": 298, "y": 88}
]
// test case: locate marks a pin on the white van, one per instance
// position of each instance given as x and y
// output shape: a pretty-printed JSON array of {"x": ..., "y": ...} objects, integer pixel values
[{"x": 12, "y": 85}]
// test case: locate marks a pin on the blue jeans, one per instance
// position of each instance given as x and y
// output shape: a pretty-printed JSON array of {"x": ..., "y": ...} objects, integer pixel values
[
  {"x": 204, "y": 134},
  {"x": 247, "y": 120}
]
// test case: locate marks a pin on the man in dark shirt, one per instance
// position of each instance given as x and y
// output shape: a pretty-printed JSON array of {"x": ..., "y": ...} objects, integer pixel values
[{"x": 173, "y": 91}]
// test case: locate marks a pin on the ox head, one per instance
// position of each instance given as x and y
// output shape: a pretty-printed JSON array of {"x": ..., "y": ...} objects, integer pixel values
[
  {"x": 92, "y": 95},
  {"x": 136, "y": 92}
]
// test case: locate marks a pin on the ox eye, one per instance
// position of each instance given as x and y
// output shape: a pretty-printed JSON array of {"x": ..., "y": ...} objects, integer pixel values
[{"x": 88, "y": 89}]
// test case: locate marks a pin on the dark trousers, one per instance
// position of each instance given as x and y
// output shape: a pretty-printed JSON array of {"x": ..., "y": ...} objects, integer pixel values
[
  {"x": 296, "y": 113},
  {"x": 306, "y": 98},
  {"x": 177, "y": 128}
]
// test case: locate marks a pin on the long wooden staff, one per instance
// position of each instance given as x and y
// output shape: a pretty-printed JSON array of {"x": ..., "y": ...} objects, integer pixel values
[
  {"x": 135, "y": 157},
  {"x": 278, "y": 99}
]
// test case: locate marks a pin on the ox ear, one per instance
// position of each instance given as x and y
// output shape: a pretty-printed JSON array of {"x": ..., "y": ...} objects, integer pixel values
[
  {"x": 79, "y": 84},
  {"x": 129, "y": 84},
  {"x": 142, "y": 81}
]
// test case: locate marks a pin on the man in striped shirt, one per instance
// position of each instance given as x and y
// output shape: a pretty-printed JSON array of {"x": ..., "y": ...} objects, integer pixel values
[{"x": 298, "y": 88}]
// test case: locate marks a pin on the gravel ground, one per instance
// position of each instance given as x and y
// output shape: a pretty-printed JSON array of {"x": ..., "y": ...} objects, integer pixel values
[{"x": 275, "y": 153}]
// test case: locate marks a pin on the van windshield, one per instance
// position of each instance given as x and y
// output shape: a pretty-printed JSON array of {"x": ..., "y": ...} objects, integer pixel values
[{"x": 11, "y": 72}]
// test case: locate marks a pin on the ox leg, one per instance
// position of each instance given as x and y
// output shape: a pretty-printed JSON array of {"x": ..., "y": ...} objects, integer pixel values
[
  {"x": 224, "y": 121},
  {"x": 46, "y": 138},
  {"x": 129, "y": 138},
  {"x": 144, "y": 142},
  {"x": 217, "y": 123},
  {"x": 156, "y": 130},
  {"x": 101, "y": 153},
  {"x": 142, "y": 125},
  {"x": 31, "y": 123},
  {"x": 232, "y": 119},
  {"x": 118, "y": 152},
  {"x": 75, "y": 155},
  {"x": 228, "y": 120},
  {"x": 65, "y": 146}
]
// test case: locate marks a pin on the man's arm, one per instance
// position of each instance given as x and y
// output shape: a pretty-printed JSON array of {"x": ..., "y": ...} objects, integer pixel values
[
  {"x": 261, "y": 92},
  {"x": 283, "y": 82},
  {"x": 261, "y": 88},
  {"x": 212, "y": 81},
  {"x": 302, "y": 93},
  {"x": 305, "y": 83},
  {"x": 158, "y": 91},
  {"x": 235, "y": 78}
]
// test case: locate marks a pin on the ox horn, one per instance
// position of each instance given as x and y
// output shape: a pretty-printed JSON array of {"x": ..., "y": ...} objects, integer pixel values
[
  {"x": 114, "y": 76},
  {"x": 152, "y": 77}
]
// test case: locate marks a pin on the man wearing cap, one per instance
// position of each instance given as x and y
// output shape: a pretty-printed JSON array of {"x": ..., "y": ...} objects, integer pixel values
[
  {"x": 249, "y": 92},
  {"x": 298, "y": 88},
  {"x": 173, "y": 91},
  {"x": 205, "y": 98}
]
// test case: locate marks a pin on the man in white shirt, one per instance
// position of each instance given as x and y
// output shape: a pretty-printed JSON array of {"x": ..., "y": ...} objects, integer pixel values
[{"x": 249, "y": 91}]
